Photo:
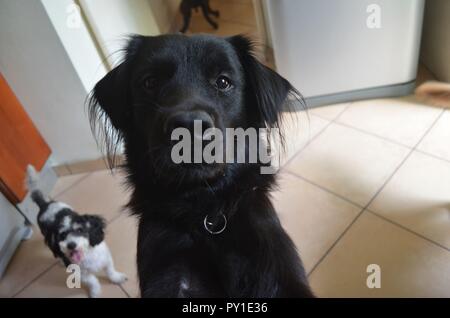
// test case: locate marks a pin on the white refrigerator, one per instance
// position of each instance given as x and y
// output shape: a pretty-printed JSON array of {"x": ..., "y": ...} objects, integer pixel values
[{"x": 344, "y": 50}]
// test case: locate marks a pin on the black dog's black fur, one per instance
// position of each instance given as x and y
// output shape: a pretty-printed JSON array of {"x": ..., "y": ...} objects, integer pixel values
[
  {"x": 186, "y": 8},
  {"x": 177, "y": 257}
]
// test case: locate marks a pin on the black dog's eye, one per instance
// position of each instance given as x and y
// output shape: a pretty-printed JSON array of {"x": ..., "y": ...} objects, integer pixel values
[{"x": 223, "y": 83}]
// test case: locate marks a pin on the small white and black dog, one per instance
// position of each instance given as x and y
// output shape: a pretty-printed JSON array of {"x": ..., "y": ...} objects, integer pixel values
[{"x": 74, "y": 238}]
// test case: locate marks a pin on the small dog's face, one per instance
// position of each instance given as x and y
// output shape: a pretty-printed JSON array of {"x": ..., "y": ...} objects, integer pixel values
[
  {"x": 171, "y": 81},
  {"x": 76, "y": 234}
]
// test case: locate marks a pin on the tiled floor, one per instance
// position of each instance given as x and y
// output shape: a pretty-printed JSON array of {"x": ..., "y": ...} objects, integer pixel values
[
  {"x": 373, "y": 187},
  {"x": 361, "y": 183}
]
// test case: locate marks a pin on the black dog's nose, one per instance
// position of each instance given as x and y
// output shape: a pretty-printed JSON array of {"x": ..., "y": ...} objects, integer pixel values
[
  {"x": 195, "y": 121},
  {"x": 71, "y": 245}
]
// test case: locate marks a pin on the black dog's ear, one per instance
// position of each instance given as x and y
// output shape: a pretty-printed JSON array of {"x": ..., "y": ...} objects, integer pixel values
[
  {"x": 265, "y": 88},
  {"x": 111, "y": 94},
  {"x": 96, "y": 227},
  {"x": 109, "y": 102}
]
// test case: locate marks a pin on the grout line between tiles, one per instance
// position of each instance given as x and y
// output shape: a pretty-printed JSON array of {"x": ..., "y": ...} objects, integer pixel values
[
  {"x": 361, "y": 207},
  {"x": 373, "y": 135},
  {"x": 34, "y": 279},
  {"x": 376, "y": 135},
  {"x": 357, "y": 216},
  {"x": 316, "y": 136},
  {"x": 124, "y": 290},
  {"x": 376, "y": 194},
  {"x": 408, "y": 230},
  {"x": 323, "y": 188},
  {"x": 346, "y": 106},
  {"x": 72, "y": 185},
  {"x": 432, "y": 156},
  {"x": 116, "y": 217},
  {"x": 284, "y": 166},
  {"x": 335, "y": 242}
]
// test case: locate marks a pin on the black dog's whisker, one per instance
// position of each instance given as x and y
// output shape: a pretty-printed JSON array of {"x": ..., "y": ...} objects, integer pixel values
[
  {"x": 108, "y": 137},
  {"x": 209, "y": 187},
  {"x": 153, "y": 105}
]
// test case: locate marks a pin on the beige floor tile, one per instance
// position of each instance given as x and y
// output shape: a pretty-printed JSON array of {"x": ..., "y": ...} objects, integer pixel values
[
  {"x": 121, "y": 237},
  {"x": 62, "y": 170},
  {"x": 88, "y": 166},
  {"x": 30, "y": 260},
  {"x": 53, "y": 285},
  {"x": 312, "y": 217},
  {"x": 329, "y": 112},
  {"x": 348, "y": 162},
  {"x": 225, "y": 28},
  {"x": 236, "y": 1},
  {"x": 214, "y": 2},
  {"x": 418, "y": 197},
  {"x": 403, "y": 120},
  {"x": 410, "y": 266},
  {"x": 437, "y": 141},
  {"x": 236, "y": 12},
  {"x": 299, "y": 128},
  {"x": 198, "y": 24},
  {"x": 66, "y": 182},
  {"x": 100, "y": 193}
]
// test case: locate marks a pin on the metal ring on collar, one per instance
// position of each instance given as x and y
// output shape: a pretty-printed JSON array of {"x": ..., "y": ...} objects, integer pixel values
[{"x": 208, "y": 224}]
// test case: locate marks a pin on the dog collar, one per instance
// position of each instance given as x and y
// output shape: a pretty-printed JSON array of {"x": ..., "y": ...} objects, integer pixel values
[
  {"x": 217, "y": 226},
  {"x": 220, "y": 223}
]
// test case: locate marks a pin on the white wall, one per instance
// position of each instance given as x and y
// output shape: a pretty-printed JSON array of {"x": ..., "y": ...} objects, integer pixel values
[
  {"x": 52, "y": 66},
  {"x": 39, "y": 71},
  {"x": 436, "y": 38},
  {"x": 165, "y": 12},
  {"x": 74, "y": 35},
  {"x": 11, "y": 232},
  {"x": 9, "y": 220},
  {"x": 113, "y": 20},
  {"x": 263, "y": 22}
]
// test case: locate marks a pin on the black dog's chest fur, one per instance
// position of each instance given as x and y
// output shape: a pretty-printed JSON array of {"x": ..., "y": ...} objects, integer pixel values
[{"x": 177, "y": 257}]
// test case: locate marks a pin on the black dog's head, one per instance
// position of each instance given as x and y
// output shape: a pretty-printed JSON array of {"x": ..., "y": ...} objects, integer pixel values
[
  {"x": 75, "y": 234},
  {"x": 170, "y": 81}
]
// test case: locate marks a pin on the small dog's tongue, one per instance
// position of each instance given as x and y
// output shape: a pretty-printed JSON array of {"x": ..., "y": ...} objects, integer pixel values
[{"x": 76, "y": 256}]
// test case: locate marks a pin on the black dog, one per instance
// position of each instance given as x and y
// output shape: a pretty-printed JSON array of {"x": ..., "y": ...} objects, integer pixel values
[
  {"x": 169, "y": 81},
  {"x": 186, "y": 7}
]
